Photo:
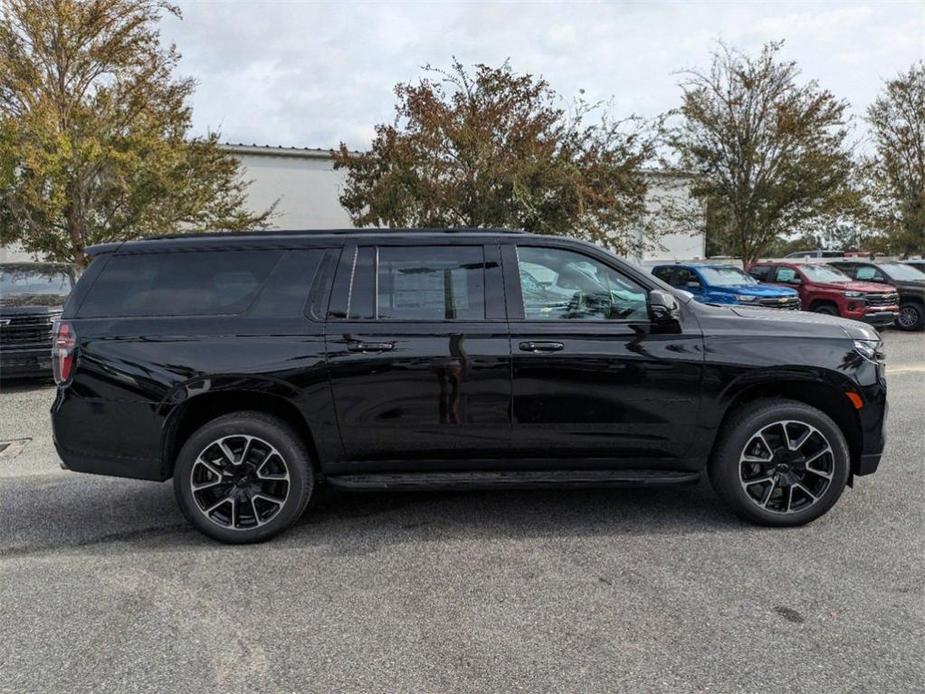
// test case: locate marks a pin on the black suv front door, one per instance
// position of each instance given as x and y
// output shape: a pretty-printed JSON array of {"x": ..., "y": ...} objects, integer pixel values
[
  {"x": 593, "y": 383},
  {"x": 419, "y": 357}
]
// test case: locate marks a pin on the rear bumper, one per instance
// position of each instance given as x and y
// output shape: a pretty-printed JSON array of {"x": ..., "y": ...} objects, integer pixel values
[
  {"x": 26, "y": 362},
  {"x": 133, "y": 468}
]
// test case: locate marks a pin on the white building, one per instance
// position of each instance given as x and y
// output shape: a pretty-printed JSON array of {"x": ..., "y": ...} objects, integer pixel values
[{"x": 305, "y": 188}]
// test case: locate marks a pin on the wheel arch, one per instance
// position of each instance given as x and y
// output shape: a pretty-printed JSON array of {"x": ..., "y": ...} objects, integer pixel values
[
  {"x": 826, "y": 397},
  {"x": 816, "y": 303},
  {"x": 189, "y": 416}
]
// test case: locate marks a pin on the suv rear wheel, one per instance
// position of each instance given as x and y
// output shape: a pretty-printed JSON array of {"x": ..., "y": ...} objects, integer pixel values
[
  {"x": 780, "y": 463},
  {"x": 243, "y": 477}
]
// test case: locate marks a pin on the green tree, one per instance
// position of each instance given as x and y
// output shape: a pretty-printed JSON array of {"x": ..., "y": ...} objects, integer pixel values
[
  {"x": 94, "y": 141},
  {"x": 768, "y": 155},
  {"x": 493, "y": 148},
  {"x": 896, "y": 172}
]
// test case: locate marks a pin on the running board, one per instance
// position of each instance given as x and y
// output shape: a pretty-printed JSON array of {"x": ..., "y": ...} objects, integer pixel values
[{"x": 527, "y": 479}]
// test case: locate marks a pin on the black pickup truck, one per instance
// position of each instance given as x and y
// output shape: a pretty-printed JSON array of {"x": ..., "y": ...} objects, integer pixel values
[{"x": 31, "y": 298}]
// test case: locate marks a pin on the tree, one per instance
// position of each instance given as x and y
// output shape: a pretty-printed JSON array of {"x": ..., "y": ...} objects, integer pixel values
[
  {"x": 768, "y": 155},
  {"x": 495, "y": 149},
  {"x": 896, "y": 173},
  {"x": 94, "y": 129}
]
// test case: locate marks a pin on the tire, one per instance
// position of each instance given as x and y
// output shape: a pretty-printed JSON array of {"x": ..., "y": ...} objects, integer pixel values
[
  {"x": 253, "y": 478},
  {"x": 766, "y": 482},
  {"x": 827, "y": 309},
  {"x": 911, "y": 316}
]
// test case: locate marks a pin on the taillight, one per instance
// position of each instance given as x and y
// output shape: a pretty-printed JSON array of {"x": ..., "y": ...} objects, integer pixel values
[{"x": 63, "y": 352}]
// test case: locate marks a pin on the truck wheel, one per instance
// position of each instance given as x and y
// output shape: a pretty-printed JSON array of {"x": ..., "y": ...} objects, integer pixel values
[
  {"x": 780, "y": 463},
  {"x": 827, "y": 309},
  {"x": 911, "y": 316},
  {"x": 243, "y": 477}
]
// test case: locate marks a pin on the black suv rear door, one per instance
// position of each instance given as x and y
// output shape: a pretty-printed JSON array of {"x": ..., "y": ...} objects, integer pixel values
[
  {"x": 592, "y": 379},
  {"x": 418, "y": 355}
]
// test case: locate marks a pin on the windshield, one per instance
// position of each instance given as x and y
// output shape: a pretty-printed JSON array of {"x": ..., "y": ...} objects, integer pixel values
[
  {"x": 726, "y": 276},
  {"x": 899, "y": 271},
  {"x": 824, "y": 273},
  {"x": 34, "y": 281}
]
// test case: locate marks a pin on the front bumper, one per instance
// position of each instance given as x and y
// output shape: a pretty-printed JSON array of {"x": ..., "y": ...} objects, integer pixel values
[
  {"x": 879, "y": 316},
  {"x": 26, "y": 362}
]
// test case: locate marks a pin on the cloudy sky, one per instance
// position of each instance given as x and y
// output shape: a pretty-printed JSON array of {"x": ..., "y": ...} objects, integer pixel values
[{"x": 312, "y": 74}]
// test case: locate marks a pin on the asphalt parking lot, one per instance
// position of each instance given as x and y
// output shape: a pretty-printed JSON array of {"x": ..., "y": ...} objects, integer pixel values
[{"x": 103, "y": 586}]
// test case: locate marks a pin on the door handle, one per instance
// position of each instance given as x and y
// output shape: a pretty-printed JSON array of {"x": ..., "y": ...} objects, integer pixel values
[
  {"x": 370, "y": 346},
  {"x": 541, "y": 346}
]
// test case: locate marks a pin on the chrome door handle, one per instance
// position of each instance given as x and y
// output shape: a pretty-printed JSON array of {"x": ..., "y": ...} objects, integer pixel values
[
  {"x": 541, "y": 346},
  {"x": 370, "y": 346}
]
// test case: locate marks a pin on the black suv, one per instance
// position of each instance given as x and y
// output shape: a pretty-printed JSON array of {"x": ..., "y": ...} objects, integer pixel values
[
  {"x": 31, "y": 298},
  {"x": 909, "y": 283},
  {"x": 253, "y": 368}
]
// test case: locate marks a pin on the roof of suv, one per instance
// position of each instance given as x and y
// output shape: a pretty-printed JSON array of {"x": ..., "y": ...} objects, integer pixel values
[{"x": 283, "y": 235}]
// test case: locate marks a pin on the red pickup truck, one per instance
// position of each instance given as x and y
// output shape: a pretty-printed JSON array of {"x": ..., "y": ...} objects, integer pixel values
[{"x": 825, "y": 289}]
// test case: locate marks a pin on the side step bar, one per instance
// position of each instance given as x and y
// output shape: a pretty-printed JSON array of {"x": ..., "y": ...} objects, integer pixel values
[{"x": 520, "y": 479}]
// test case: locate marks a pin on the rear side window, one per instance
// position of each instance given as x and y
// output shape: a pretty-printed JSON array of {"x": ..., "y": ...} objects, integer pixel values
[
  {"x": 786, "y": 274},
  {"x": 423, "y": 283},
  {"x": 179, "y": 284}
]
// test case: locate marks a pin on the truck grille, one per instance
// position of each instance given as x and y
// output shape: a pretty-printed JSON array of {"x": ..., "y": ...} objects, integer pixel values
[
  {"x": 791, "y": 303},
  {"x": 878, "y": 300},
  {"x": 26, "y": 330}
]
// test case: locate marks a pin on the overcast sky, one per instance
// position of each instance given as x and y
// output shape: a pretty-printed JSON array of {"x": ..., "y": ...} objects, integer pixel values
[{"x": 315, "y": 74}]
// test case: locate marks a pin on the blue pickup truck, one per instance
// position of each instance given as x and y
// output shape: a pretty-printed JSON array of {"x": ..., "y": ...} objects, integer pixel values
[{"x": 726, "y": 284}]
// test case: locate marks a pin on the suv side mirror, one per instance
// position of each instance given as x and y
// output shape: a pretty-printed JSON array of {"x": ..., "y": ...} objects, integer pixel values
[{"x": 663, "y": 307}]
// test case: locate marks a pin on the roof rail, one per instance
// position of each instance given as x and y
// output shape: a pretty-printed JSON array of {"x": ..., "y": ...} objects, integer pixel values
[{"x": 323, "y": 232}]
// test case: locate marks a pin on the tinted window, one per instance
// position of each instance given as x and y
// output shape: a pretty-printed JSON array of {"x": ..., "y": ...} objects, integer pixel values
[
  {"x": 686, "y": 279},
  {"x": 428, "y": 283},
  {"x": 663, "y": 273},
  {"x": 557, "y": 284},
  {"x": 179, "y": 284},
  {"x": 760, "y": 272}
]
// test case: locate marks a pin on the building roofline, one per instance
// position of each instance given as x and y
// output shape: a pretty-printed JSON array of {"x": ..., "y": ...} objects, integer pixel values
[{"x": 321, "y": 153}]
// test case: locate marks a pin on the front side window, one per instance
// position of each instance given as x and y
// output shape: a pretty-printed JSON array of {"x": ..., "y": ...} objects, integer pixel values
[
  {"x": 686, "y": 279},
  {"x": 760, "y": 272},
  {"x": 424, "y": 283},
  {"x": 558, "y": 284},
  {"x": 787, "y": 275},
  {"x": 867, "y": 273}
]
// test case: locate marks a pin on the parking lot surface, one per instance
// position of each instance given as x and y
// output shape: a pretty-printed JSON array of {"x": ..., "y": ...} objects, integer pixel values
[{"x": 104, "y": 587}]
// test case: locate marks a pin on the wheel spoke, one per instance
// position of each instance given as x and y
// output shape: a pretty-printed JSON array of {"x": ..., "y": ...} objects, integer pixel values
[
  {"x": 753, "y": 459},
  {"x": 206, "y": 485},
  {"x": 217, "y": 504},
  {"x": 767, "y": 497},
  {"x": 229, "y": 456},
  {"x": 269, "y": 499},
  {"x": 247, "y": 448},
  {"x": 806, "y": 491},
  {"x": 820, "y": 473},
  {"x": 816, "y": 456},
  {"x": 210, "y": 467},
  {"x": 762, "y": 480},
  {"x": 254, "y": 510},
  {"x": 798, "y": 444},
  {"x": 789, "y": 498}
]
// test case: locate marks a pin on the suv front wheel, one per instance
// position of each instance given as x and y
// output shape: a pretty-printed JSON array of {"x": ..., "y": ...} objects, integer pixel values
[
  {"x": 243, "y": 477},
  {"x": 780, "y": 463}
]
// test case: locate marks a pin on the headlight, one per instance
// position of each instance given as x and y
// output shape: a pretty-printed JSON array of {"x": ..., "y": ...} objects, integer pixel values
[
  {"x": 871, "y": 350},
  {"x": 745, "y": 298},
  {"x": 854, "y": 295}
]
